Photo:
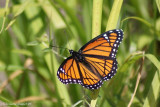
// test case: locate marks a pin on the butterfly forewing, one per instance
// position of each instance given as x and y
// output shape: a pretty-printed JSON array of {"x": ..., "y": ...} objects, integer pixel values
[{"x": 105, "y": 44}]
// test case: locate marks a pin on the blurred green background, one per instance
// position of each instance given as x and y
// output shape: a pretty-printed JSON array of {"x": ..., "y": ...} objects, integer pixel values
[{"x": 28, "y": 66}]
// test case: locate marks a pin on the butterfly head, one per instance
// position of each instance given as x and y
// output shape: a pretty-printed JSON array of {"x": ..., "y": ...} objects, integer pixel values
[{"x": 71, "y": 52}]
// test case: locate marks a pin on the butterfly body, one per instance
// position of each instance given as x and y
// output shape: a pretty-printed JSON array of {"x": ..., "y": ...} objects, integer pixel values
[
  {"x": 94, "y": 63},
  {"x": 79, "y": 57}
]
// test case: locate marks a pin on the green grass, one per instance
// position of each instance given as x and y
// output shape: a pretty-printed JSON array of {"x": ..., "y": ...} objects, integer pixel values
[{"x": 28, "y": 66}]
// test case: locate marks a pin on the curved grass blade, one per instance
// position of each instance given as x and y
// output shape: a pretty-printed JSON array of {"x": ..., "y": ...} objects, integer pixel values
[
  {"x": 5, "y": 102},
  {"x": 139, "y": 19},
  {"x": 154, "y": 60},
  {"x": 4, "y": 17},
  {"x": 21, "y": 9}
]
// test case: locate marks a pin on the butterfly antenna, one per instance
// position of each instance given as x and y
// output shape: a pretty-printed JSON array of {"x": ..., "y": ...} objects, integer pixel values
[
  {"x": 58, "y": 47},
  {"x": 57, "y": 52}
]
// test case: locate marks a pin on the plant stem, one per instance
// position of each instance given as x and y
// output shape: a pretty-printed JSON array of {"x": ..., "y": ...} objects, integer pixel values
[
  {"x": 96, "y": 30},
  {"x": 97, "y": 16}
]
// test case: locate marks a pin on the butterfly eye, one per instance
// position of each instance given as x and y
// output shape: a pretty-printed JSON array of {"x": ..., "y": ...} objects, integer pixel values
[{"x": 71, "y": 52}]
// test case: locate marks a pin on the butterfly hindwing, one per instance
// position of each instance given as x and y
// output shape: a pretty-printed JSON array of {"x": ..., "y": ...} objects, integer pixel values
[
  {"x": 106, "y": 68},
  {"x": 73, "y": 72},
  {"x": 68, "y": 72}
]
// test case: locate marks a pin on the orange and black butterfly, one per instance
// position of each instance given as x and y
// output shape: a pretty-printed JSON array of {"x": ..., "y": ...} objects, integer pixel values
[{"x": 94, "y": 63}]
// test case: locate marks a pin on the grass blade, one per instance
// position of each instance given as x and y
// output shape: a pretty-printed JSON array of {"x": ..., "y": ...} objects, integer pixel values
[
  {"x": 96, "y": 30},
  {"x": 153, "y": 93},
  {"x": 114, "y": 15},
  {"x": 21, "y": 9},
  {"x": 158, "y": 4},
  {"x": 154, "y": 60},
  {"x": 4, "y": 17},
  {"x": 96, "y": 18},
  {"x": 139, "y": 19},
  {"x": 6, "y": 103}
]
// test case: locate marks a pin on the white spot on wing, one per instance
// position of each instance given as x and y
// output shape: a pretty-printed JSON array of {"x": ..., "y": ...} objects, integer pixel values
[{"x": 105, "y": 35}]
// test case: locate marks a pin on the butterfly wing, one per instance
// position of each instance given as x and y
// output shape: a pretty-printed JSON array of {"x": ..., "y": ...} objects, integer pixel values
[
  {"x": 68, "y": 72},
  {"x": 100, "y": 54},
  {"x": 73, "y": 72}
]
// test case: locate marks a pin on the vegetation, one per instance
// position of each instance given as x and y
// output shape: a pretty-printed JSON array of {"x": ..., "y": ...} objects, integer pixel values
[{"x": 28, "y": 65}]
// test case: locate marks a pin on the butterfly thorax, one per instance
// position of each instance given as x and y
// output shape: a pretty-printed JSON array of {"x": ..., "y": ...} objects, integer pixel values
[{"x": 77, "y": 55}]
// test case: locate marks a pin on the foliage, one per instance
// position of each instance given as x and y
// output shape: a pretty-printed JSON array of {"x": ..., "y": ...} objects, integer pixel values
[{"x": 28, "y": 65}]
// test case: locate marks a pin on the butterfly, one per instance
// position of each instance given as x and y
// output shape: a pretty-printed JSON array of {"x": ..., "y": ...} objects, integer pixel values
[{"x": 94, "y": 63}]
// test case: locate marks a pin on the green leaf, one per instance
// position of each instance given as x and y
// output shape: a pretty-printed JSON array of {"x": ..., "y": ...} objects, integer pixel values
[
  {"x": 33, "y": 43},
  {"x": 114, "y": 15},
  {"x": 153, "y": 93},
  {"x": 158, "y": 4},
  {"x": 22, "y": 51},
  {"x": 122, "y": 72},
  {"x": 96, "y": 18},
  {"x": 47, "y": 49},
  {"x": 139, "y": 19},
  {"x": 96, "y": 30},
  {"x": 6, "y": 103},
  {"x": 4, "y": 17},
  {"x": 154, "y": 60},
  {"x": 60, "y": 88},
  {"x": 154, "y": 90},
  {"x": 21, "y": 9},
  {"x": 14, "y": 67}
]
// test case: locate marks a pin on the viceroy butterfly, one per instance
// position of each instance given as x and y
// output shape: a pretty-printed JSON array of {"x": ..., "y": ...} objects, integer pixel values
[{"x": 94, "y": 63}]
